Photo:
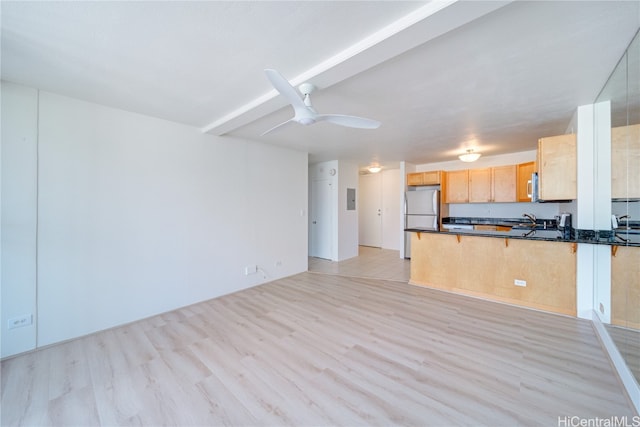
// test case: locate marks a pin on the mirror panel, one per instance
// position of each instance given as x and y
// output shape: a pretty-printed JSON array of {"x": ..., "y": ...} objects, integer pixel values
[{"x": 623, "y": 90}]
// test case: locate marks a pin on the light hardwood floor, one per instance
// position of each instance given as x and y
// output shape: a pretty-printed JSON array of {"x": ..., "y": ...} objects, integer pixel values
[
  {"x": 371, "y": 262},
  {"x": 319, "y": 349},
  {"x": 628, "y": 342}
]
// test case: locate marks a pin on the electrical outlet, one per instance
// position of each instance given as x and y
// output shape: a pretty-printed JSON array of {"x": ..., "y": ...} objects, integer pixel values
[
  {"x": 20, "y": 321},
  {"x": 522, "y": 283},
  {"x": 250, "y": 269}
]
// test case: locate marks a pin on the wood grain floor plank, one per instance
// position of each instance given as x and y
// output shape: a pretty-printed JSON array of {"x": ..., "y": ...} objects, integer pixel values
[
  {"x": 25, "y": 392},
  {"x": 224, "y": 408},
  {"x": 315, "y": 349},
  {"x": 627, "y": 341}
]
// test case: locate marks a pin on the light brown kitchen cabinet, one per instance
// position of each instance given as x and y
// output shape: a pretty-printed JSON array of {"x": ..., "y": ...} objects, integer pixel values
[
  {"x": 524, "y": 172},
  {"x": 424, "y": 178},
  {"x": 431, "y": 177},
  {"x": 492, "y": 185},
  {"x": 625, "y": 162},
  {"x": 414, "y": 178},
  {"x": 556, "y": 164},
  {"x": 625, "y": 286},
  {"x": 456, "y": 186},
  {"x": 454, "y": 262},
  {"x": 480, "y": 185},
  {"x": 503, "y": 184}
]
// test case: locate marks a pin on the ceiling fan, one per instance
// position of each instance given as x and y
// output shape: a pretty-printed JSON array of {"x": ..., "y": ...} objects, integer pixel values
[{"x": 304, "y": 113}]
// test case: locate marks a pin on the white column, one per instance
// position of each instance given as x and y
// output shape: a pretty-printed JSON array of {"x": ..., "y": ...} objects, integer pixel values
[{"x": 594, "y": 209}]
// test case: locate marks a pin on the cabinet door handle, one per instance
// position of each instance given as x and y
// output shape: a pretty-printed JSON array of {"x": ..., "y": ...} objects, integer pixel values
[{"x": 529, "y": 189}]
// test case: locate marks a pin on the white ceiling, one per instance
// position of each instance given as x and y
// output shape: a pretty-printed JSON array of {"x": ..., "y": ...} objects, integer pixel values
[{"x": 440, "y": 76}]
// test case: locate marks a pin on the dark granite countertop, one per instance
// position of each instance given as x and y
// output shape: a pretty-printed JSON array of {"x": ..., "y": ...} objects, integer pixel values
[
  {"x": 505, "y": 222},
  {"x": 545, "y": 230},
  {"x": 549, "y": 235}
]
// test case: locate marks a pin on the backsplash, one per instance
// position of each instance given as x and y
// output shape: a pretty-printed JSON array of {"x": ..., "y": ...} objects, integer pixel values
[
  {"x": 507, "y": 210},
  {"x": 623, "y": 208}
]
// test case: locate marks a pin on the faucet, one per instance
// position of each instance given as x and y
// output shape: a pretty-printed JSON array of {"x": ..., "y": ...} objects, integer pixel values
[
  {"x": 531, "y": 218},
  {"x": 616, "y": 222}
]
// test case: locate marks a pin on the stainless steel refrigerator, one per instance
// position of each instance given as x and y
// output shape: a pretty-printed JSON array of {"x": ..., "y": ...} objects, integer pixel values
[{"x": 420, "y": 212}]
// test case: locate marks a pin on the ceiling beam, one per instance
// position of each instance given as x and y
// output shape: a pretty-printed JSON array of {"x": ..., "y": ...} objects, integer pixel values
[{"x": 418, "y": 27}]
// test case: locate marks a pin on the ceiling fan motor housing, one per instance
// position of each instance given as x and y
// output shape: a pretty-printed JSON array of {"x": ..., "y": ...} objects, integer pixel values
[{"x": 306, "y": 88}]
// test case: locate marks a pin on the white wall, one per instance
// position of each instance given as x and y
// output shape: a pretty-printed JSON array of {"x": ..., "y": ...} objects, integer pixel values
[
  {"x": 138, "y": 216},
  {"x": 19, "y": 183},
  {"x": 347, "y": 220},
  {"x": 482, "y": 162},
  {"x": 505, "y": 210}
]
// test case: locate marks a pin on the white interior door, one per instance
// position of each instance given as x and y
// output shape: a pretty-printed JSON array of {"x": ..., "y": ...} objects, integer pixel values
[
  {"x": 392, "y": 218},
  {"x": 320, "y": 219},
  {"x": 370, "y": 211}
]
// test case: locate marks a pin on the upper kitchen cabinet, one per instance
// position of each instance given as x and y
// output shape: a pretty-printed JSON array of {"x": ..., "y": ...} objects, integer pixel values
[
  {"x": 557, "y": 167},
  {"x": 503, "y": 184},
  {"x": 491, "y": 185},
  {"x": 456, "y": 186},
  {"x": 424, "y": 178},
  {"x": 480, "y": 185},
  {"x": 625, "y": 162},
  {"x": 524, "y": 189}
]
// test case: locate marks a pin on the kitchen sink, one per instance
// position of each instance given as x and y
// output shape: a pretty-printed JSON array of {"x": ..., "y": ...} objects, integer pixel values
[{"x": 530, "y": 226}]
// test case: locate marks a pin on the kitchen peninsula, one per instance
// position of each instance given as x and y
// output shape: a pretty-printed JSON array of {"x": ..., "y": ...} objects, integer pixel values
[{"x": 532, "y": 267}]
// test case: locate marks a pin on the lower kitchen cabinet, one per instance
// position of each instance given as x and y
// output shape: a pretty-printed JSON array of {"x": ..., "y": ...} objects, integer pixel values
[
  {"x": 488, "y": 267},
  {"x": 625, "y": 287}
]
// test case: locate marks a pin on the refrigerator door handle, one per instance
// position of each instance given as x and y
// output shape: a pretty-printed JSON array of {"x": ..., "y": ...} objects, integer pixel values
[
  {"x": 435, "y": 202},
  {"x": 405, "y": 210}
]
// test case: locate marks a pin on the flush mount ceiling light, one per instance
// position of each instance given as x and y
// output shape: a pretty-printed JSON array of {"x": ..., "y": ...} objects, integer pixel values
[
  {"x": 469, "y": 156},
  {"x": 374, "y": 168}
]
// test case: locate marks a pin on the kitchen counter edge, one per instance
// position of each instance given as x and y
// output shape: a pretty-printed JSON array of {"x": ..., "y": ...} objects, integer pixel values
[{"x": 519, "y": 235}]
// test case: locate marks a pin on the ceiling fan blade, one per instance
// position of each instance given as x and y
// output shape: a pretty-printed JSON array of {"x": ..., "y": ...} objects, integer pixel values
[
  {"x": 283, "y": 86},
  {"x": 281, "y": 125},
  {"x": 348, "y": 121}
]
